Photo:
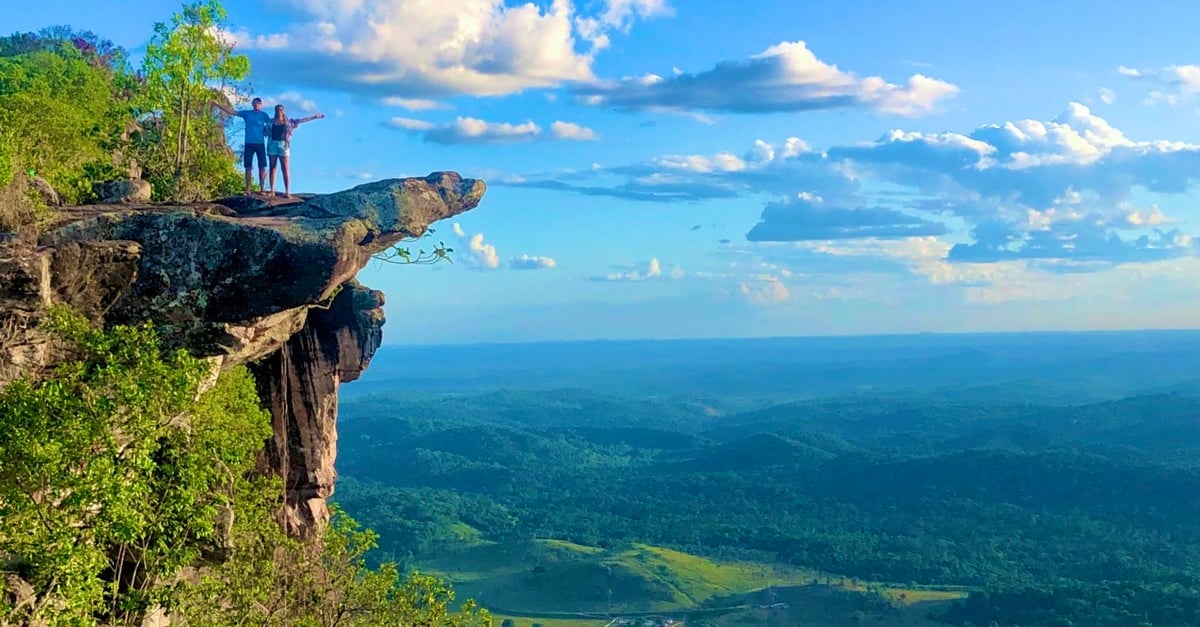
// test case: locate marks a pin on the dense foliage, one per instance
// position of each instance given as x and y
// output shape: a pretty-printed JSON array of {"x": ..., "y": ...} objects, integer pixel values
[
  {"x": 62, "y": 109},
  {"x": 98, "y": 475},
  {"x": 116, "y": 473},
  {"x": 1046, "y": 510},
  {"x": 73, "y": 111},
  {"x": 185, "y": 67}
]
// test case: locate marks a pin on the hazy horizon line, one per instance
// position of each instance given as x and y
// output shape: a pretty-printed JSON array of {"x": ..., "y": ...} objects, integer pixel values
[{"x": 760, "y": 338}]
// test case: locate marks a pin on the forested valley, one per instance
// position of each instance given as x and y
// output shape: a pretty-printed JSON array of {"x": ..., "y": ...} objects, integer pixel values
[{"x": 1038, "y": 513}]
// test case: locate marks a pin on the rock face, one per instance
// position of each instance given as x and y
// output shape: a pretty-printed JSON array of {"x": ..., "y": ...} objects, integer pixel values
[
  {"x": 299, "y": 383},
  {"x": 130, "y": 191},
  {"x": 45, "y": 192},
  {"x": 241, "y": 281}
]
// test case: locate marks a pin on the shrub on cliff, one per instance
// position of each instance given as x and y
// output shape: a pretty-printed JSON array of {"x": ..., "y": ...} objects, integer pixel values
[
  {"x": 61, "y": 114},
  {"x": 187, "y": 63},
  {"x": 117, "y": 475},
  {"x": 276, "y": 580},
  {"x": 113, "y": 476}
]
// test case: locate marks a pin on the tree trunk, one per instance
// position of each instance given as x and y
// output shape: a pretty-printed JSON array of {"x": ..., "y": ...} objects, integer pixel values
[
  {"x": 183, "y": 134},
  {"x": 182, "y": 125}
]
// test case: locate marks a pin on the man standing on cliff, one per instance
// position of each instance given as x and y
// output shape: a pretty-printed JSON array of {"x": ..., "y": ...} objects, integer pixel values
[{"x": 255, "y": 143}]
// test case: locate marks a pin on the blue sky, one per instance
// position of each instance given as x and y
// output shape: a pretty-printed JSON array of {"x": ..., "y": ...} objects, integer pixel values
[{"x": 713, "y": 169}]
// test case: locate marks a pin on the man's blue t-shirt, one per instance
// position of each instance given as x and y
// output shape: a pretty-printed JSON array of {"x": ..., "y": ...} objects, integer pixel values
[{"x": 256, "y": 121}]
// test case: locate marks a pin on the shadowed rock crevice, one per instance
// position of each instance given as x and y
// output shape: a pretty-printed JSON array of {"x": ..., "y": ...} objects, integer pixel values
[{"x": 265, "y": 282}]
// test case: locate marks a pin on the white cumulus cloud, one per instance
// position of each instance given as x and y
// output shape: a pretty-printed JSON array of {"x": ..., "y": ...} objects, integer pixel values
[
  {"x": 293, "y": 101},
  {"x": 785, "y": 77},
  {"x": 479, "y": 255},
  {"x": 651, "y": 270},
  {"x": 570, "y": 130},
  {"x": 528, "y": 262},
  {"x": 1172, "y": 84},
  {"x": 466, "y": 130},
  {"x": 1055, "y": 192},
  {"x": 1150, "y": 217},
  {"x": 764, "y": 291},
  {"x": 412, "y": 104},
  {"x": 417, "y": 49}
]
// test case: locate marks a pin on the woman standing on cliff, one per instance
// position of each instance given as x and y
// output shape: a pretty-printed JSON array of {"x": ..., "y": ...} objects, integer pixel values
[{"x": 279, "y": 145}]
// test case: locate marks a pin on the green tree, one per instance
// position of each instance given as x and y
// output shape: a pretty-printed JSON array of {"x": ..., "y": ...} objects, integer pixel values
[
  {"x": 116, "y": 473},
  {"x": 60, "y": 115},
  {"x": 185, "y": 61},
  {"x": 113, "y": 476},
  {"x": 271, "y": 579}
]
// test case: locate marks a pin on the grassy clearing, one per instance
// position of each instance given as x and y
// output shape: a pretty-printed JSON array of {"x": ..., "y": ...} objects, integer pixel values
[
  {"x": 699, "y": 579},
  {"x": 556, "y": 576},
  {"x": 911, "y": 596},
  {"x": 487, "y": 560},
  {"x": 553, "y": 577},
  {"x": 522, "y": 621},
  {"x": 466, "y": 535}
]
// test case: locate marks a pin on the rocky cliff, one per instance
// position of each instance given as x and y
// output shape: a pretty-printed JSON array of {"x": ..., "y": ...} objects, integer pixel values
[{"x": 239, "y": 281}]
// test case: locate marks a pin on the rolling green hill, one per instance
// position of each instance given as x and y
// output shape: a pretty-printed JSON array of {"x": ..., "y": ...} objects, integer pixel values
[{"x": 557, "y": 576}]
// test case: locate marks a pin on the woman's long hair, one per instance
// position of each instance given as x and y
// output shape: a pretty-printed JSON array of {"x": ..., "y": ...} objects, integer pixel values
[{"x": 280, "y": 116}]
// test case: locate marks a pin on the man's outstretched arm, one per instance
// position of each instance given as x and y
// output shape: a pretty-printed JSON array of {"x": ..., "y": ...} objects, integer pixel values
[{"x": 224, "y": 106}]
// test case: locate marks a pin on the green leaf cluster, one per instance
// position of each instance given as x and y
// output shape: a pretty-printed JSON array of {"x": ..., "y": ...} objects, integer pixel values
[
  {"x": 401, "y": 253},
  {"x": 273, "y": 580}
]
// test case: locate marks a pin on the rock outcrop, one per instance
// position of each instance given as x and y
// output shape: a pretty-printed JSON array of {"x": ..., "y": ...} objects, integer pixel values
[
  {"x": 123, "y": 191},
  {"x": 269, "y": 283}
]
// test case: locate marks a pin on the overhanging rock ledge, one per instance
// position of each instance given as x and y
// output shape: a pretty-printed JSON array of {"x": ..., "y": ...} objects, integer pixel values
[{"x": 264, "y": 282}]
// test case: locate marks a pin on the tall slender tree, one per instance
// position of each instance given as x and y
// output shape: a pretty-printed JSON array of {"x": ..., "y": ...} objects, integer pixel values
[{"x": 185, "y": 61}]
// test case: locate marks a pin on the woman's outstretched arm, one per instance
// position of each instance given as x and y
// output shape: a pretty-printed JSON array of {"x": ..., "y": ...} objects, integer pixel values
[{"x": 310, "y": 118}]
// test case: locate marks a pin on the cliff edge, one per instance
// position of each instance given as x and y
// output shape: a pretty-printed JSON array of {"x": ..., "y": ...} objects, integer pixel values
[{"x": 267, "y": 283}]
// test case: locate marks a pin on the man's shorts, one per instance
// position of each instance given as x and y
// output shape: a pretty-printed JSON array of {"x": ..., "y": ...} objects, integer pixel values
[
  {"x": 250, "y": 151},
  {"x": 277, "y": 148}
]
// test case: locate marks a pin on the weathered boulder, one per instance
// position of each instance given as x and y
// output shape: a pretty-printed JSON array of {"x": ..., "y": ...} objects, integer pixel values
[
  {"x": 17, "y": 593},
  {"x": 265, "y": 282},
  {"x": 44, "y": 191},
  {"x": 127, "y": 191}
]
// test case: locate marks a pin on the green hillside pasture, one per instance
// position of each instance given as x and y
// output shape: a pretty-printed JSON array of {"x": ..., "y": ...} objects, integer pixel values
[
  {"x": 492, "y": 560},
  {"x": 912, "y": 596},
  {"x": 555, "y": 576},
  {"x": 522, "y": 621},
  {"x": 835, "y": 603}
]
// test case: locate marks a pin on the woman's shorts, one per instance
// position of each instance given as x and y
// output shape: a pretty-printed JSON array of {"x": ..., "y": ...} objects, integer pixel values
[{"x": 277, "y": 148}]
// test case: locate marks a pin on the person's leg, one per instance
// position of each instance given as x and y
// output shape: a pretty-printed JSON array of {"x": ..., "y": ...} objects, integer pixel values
[
  {"x": 274, "y": 159},
  {"x": 287, "y": 182},
  {"x": 247, "y": 162},
  {"x": 262, "y": 167}
]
